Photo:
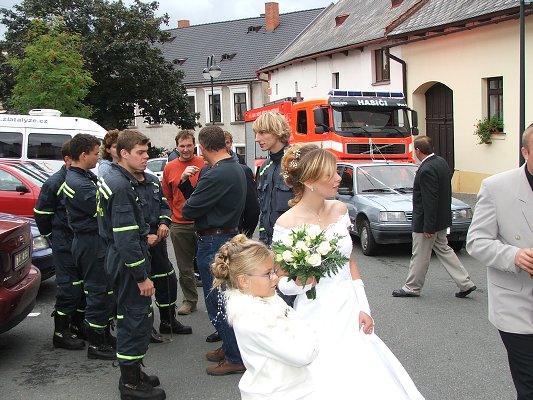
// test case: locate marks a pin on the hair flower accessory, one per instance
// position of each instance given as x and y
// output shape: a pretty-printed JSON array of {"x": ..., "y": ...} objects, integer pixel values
[{"x": 293, "y": 164}]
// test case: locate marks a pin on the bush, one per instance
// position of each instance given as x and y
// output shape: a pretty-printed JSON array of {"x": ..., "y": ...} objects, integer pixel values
[{"x": 156, "y": 152}]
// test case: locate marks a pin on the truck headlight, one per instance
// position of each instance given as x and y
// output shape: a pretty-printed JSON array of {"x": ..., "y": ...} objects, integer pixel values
[
  {"x": 40, "y": 243},
  {"x": 392, "y": 216},
  {"x": 462, "y": 214}
]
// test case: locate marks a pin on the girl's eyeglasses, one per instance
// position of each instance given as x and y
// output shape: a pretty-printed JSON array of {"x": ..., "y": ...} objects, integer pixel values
[{"x": 269, "y": 275}]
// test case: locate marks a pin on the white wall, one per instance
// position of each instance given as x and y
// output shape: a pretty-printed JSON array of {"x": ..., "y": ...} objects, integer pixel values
[{"x": 314, "y": 77}]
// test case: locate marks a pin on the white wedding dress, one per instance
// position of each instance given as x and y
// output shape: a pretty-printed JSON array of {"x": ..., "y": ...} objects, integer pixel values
[{"x": 350, "y": 364}]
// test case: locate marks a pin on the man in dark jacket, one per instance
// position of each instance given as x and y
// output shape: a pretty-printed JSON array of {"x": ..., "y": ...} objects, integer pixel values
[
  {"x": 122, "y": 224},
  {"x": 51, "y": 218},
  {"x": 432, "y": 217},
  {"x": 88, "y": 248}
]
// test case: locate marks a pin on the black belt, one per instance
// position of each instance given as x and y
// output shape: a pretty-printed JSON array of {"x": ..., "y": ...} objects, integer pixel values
[{"x": 217, "y": 231}]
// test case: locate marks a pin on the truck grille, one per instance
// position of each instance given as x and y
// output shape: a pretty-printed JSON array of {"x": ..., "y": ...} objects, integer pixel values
[
  {"x": 381, "y": 148},
  {"x": 408, "y": 216}
]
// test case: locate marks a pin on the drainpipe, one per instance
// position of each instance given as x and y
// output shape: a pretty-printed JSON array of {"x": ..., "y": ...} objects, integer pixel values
[
  {"x": 522, "y": 105},
  {"x": 404, "y": 70}
]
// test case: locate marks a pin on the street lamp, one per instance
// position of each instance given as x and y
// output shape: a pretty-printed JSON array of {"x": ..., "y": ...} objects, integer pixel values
[{"x": 210, "y": 72}]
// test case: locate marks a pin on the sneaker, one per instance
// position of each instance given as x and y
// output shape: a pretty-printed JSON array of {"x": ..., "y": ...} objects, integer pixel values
[
  {"x": 215, "y": 355},
  {"x": 225, "y": 367},
  {"x": 186, "y": 308}
]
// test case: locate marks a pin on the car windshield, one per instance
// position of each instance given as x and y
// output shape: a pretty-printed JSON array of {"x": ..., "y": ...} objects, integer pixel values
[
  {"x": 32, "y": 172},
  {"x": 386, "y": 178}
]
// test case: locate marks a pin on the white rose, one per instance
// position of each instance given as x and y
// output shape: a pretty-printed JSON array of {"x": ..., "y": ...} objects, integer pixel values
[
  {"x": 287, "y": 256},
  {"x": 314, "y": 259},
  {"x": 287, "y": 240},
  {"x": 313, "y": 231},
  {"x": 300, "y": 245},
  {"x": 324, "y": 248}
]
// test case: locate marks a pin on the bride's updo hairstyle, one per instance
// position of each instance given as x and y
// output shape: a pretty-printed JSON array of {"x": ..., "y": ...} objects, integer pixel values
[
  {"x": 306, "y": 163},
  {"x": 238, "y": 256}
]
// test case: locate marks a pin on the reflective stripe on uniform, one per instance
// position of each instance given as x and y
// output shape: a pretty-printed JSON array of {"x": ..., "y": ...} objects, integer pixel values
[
  {"x": 69, "y": 191},
  {"x": 60, "y": 189},
  {"x": 96, "y": 325},
  {"x": 136, "y": 263},
  {"x": 124, "y": 357},
  {"x": 166, "y": 217},
  {"x": 75, "y": 283},
  {"x": 264, "y": 169},
  {"x": 164, "y": 305},
  {"x": 163, "y": 275},
  {"x": 43, "y": 212},
  {"x": 126, "y": 228}
]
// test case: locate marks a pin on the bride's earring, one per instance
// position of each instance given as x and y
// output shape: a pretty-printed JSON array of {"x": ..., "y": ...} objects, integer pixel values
[{"x": 312, "y": 189}]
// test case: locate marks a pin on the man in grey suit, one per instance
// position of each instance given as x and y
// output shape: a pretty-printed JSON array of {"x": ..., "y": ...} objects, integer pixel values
[
  {"x": 432, "y": 217},
  {"x": 501, "y": 237}
]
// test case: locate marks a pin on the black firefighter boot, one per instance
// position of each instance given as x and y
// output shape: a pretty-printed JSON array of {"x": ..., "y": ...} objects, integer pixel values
[
  {"x": 63, "y": 337},
  {"x": 169, "y": 323},
  {"x": 109, "y": 339},
  {"x": 98, "y": 349},
  {"x": 152, "y": 380},
  {"x": 132, "y": 387},
  {"x": 76, "y": 324}
]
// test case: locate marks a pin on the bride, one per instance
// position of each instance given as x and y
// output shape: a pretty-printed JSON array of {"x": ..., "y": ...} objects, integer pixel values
[{"x": 352, "y": 362}]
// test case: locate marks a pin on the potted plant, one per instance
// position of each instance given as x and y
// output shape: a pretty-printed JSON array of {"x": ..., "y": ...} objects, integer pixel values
[{"x": 486, "y": 127}]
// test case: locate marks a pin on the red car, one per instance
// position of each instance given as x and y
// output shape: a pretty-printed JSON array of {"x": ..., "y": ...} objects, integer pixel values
[
  {"x": 20, "y": 185},
  {"x": 19, "y": 279}
]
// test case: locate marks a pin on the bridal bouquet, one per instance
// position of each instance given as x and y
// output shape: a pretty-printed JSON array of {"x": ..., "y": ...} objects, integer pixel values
[{"x": 306, "y": 252}]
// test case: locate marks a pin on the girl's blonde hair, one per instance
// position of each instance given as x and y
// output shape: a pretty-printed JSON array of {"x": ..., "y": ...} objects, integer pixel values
[
  {"x": 238, "y": 256},
  {"x": 306, "y": 163}
]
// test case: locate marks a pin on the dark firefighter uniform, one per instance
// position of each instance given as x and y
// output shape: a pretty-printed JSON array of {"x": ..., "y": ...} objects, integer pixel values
[
  {"x": 156, "y": 212},
  {"x": 88, "y": 250},
  {"x": 51, "y": 218},
  {"x": 122, "y": 225}
]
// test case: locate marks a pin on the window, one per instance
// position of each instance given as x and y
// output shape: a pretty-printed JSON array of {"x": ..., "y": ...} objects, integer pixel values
[
  {"x": 301, "y": 122},
  {"x": 495, "y": 96},
  {"x": 218, "y": 109},
  {"x": 43, "y": 146},
  {"x": 11, "y": 145},
  {"x": 335, "y": 80},
  {"x": 192, "y": 102},
  {"x": 241, "y": 150},
  {"x": 381, "y": 64},
  {"x": 8, "y": 182},
  {"x": 239, "y": 104}
]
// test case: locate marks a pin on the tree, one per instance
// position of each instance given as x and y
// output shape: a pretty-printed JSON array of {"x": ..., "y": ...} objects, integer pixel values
[
  {"x": 119, "y": 46},
  {"x": 51, "y": 74}
]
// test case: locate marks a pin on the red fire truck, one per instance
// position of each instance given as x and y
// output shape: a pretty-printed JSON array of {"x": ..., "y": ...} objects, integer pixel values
[{"x": 353, "y": 125}]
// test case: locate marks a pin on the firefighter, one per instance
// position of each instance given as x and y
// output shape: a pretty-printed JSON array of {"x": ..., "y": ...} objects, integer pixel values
[
  {"x": 88, "y": 248},
  {"x": 51, "y": 218},
  {"x": 123, "y": 225},
  {"x": 157, "y": 214}
]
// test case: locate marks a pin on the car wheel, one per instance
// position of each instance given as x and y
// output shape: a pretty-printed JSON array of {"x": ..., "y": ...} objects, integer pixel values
[
  {"x": 457, "y": 246},
  {"x": 368, "y": 244}
]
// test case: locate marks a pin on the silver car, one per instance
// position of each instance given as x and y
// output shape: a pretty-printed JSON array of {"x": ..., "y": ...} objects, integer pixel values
[{"x": 379, "y": 196}]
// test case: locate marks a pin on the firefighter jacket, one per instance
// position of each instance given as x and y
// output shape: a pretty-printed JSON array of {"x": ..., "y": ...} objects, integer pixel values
[
  {"x": 80, "y": 200},
  {"x": 121, "y": 221},
  {"x": 273, "y": 194},
  {"x": 50, "y": 212},
  {"x": 153, "y": 202}
]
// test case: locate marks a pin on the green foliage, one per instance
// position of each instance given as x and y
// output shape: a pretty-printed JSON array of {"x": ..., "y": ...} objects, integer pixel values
[
  {"x": 121, "y": 47},
  {"x": 486, "y": 127},
  {"x": 156, "y": 152},
  {"x": 51, "y": 74}
]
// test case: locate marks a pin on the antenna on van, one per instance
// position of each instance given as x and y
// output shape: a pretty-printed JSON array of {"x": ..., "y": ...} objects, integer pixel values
[{"x": 45, "y": 112}]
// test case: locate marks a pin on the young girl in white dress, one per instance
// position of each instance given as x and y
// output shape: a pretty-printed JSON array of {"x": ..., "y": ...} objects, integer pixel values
[
  {"x": 275, "y": 344},
  {"x": 353, "y": 362}
]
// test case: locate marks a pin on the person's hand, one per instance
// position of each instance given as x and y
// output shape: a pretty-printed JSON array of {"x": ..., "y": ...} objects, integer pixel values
[
  {"x": 310, "y": 281},
  {"x": 146, "y": 287},
  {"x": 152, "y": 239},
  {"x": 162, "y": 232},
  {"x": 524, "y": 260},
  {"x": 428, "y": 235},
  {"x": 366, "y": 322},
  {"x": 191, "y": 170}
]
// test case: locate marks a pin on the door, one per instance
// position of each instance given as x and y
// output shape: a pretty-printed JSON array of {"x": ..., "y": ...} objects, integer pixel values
[{"x": 439, "y": 121}]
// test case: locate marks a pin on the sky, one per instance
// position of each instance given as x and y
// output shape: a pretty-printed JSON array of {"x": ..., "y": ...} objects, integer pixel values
[{"x": 203, "y": 11}]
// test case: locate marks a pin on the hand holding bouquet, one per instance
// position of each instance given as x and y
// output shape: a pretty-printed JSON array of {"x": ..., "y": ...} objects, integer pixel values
[{"x": 306, "y": 252}]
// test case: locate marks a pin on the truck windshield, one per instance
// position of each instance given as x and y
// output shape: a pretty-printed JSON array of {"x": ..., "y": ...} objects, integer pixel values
[{"x": 375, "y": 122}]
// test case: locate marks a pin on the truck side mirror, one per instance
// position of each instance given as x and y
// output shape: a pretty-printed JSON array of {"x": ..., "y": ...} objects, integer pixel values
[
  {"x": 414, "y": 117},
  {"x": 320, "y": 126},
  {"x": 414, "y": 131}
]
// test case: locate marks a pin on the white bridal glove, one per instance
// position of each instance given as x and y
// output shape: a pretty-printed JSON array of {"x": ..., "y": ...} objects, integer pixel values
[
  {"x": 290, "y": 288},
  {"x": 359, "y": 288}
]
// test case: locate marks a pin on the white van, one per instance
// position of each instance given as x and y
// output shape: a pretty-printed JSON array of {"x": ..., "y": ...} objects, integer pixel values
[{"x": 39, "y": 136}]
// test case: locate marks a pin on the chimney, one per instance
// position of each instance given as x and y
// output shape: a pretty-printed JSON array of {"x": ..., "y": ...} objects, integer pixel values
[
  {"x": 271, "y": 16},
  {"x": 183, "y": 23}
]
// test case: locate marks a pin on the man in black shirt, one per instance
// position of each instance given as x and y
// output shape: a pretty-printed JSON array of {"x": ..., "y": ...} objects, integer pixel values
[{"x": 216, "y": 206}]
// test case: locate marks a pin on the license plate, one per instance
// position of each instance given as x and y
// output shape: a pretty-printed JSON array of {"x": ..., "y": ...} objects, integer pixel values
[{"x": 22, "y": 257}]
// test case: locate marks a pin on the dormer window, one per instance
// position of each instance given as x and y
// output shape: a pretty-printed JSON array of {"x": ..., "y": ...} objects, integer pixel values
[
  {"x": 179, "y": 61},
  {"x": 339, "y": 19},
  {"x": 255, "y": 28},
  {"x": 227, "y": 56}
]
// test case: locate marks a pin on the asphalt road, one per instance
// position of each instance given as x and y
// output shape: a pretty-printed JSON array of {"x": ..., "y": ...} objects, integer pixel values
[{"x": 446, "y": 344}]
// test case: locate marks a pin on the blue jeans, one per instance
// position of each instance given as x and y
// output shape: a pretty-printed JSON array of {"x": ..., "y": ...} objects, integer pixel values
[{"x": 205, "y": 255}]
